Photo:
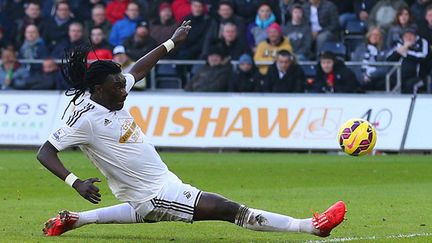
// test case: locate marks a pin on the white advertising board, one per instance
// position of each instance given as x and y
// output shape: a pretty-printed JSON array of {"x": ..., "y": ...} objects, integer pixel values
[
  {"x": 420, "y": 135},
  {"x": 221, "y": 120}
]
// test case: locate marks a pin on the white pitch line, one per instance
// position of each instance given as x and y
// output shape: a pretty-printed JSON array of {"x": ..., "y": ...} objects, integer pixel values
[{"x": 399, "y": 236}]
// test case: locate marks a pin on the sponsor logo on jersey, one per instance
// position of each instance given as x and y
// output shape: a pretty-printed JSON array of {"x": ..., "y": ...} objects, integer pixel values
[{"x": 59, "y": 134}]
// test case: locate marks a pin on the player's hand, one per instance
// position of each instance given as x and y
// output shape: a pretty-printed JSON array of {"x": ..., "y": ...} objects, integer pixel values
[
  {"x": 181, "y": 32},
  {"x": 87, "y": 190}
]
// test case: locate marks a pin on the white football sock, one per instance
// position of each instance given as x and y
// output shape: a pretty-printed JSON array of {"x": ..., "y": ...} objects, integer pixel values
[
  {"x": 117, "y": 214},
  {"x": 255, "y": 219}
]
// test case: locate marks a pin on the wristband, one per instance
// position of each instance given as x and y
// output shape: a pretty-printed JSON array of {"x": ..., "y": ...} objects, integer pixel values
[
  {"x": 169, "y": 45},
  {"x": 70, "y": 179}
]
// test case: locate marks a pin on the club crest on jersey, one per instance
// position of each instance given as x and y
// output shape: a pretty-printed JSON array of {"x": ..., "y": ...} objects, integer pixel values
[
  {"x": 130, "y": 132},
  {"x": 59, "y": 134},
  {"x": 107, "y": 122},
  {"x": 187, "y": 194}
]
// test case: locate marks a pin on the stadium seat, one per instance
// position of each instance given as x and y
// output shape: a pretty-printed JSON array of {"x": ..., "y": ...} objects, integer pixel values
[
  {"x": 352, "y": 42},
  {"x": 337, "y": 48},
  {"x": 166, "y": 70},
  {"x": 309, "y": 71},
  {"x": 168, "y": 83},
  {"x": 355, "y": 28}
]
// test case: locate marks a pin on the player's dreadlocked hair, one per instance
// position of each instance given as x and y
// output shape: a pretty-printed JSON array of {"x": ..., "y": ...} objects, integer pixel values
[{"x": 82, "y": 77}]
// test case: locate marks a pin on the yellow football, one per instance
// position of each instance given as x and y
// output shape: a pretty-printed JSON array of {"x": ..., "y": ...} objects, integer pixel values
[{"x": 357, "y": 137}]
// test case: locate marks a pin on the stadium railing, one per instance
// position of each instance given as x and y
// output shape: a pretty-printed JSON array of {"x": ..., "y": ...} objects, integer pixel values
[{"x": 394, "y": 68}]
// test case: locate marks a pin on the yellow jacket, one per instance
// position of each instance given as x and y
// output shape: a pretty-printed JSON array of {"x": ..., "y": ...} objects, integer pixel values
[{"x": 267, "y": 52}]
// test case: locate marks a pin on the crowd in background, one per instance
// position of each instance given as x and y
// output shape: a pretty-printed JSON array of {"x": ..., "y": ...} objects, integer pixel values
[{"x": 281, "y": 32}]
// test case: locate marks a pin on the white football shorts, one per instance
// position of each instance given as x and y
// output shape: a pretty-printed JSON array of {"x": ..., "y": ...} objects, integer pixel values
[{"x": 175, "y": 202}]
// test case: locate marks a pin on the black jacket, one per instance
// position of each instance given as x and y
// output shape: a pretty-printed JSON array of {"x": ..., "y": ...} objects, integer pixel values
[
  {"x": 211, "y": 79},
  {"x": 251, "y": 81},
  {"x": 53, "y": 33},
  {"x": 415, "y": 63},
  {"x": 135, "y": 50},
  {"x": 293, "y": 81},
  {"x": 192, "y": 46},
  {"x": 345, "y": 80}
]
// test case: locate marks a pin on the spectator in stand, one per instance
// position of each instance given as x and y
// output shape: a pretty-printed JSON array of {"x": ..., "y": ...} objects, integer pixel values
[
  {"x": 418, "y": 9},
  {"x": 33, "y": 47},
  {"x": 125, "y": 27},
  {"x": 246, "y": 9},
  {"x": 224, "y": 15},
  {"x": 285, "y": 75},
  {"x": 402, "y": 20},
  {"x": 192, "y": 47},
  {"x": 48, "y": 79},
  {"x": 425, "y": 29},
  {"x": 140, "y": 43},
  {"x": 299, "y": 34},
  {"x": 32, "y": 16},
  {"x": 162, "y": 28},
  {"x": 372, "y": 77},
  {"x": 98, "y": 19},
  {"x": 212, "y": 77},
  {"x": 181, "y": 9},
  {"x": 76, "y": 34},
  {"x": 231, "y": 45},
  {"x": 14, "y": 9},
  {"x": 102, "y": 50},
  {"x": 55, "y": 29},
  {"x": 284, "y": 10},
  {"x": 246, "y": 77},
  {"x": 12, "y": 73},
  {"x": 268, "y": 49},
  {"x": 126, "y": 63},
  {"x": 413, "y": 51},
  {"x": 116, "y": 9},
  {"x": 120, "y": 57},
  {"x": 323, "y": 18},
  {"x": 362, "y": 9},
  {"x": 333, "y": 76},
  {"x": 257, "y": 30},
  {"x": 384, "y": 12}
]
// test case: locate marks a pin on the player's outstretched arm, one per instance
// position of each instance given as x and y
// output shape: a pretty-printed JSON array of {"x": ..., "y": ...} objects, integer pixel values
[
  {"x": 47, "y": 156},
  {"x": 143, "y": 66}
]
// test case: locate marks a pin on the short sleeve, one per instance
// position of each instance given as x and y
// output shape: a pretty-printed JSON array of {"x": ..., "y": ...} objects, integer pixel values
[
  {"x": 67, "y": 136},
  {"x": 130, "y": 81}
]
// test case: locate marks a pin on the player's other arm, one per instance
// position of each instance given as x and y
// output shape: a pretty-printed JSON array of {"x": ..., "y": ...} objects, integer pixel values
[
  {"x": 143, "y": 66},
  {"x": 47, "y": 156}
]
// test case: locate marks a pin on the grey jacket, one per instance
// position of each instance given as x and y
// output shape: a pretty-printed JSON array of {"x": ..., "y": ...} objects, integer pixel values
[
  {"x": 327, "y": 15},
  {"x": 300, "y": 37}
]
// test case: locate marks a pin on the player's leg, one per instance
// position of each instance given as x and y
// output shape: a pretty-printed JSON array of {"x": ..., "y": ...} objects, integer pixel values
[
  {"x": 66, "y": 220},
  {"x": 215, "y": 207}
]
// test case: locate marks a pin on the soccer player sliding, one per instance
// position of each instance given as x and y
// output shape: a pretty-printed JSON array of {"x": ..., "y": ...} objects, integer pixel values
[{"x": 136, "y": 174}]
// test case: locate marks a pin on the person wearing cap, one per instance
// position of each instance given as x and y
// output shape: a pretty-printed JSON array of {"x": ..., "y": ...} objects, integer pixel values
[
  {"x": 246, "y": 77},
  {"x": 140, "y": 43},
  {"x": 162, "y": 27},
  {"x": 333, "y": 76},
  {"x": 413, "y": 51},
  {"x": 214, "y": 76},
  {"x": 285, "y": 75},
  {"x": 268, "y": 49},
  {"x": 125, "y": 27},
  {"x": 120, "y": 57}
]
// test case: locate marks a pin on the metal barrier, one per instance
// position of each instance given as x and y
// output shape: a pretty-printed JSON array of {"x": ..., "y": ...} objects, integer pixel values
[{"x": 395, "y": 67}]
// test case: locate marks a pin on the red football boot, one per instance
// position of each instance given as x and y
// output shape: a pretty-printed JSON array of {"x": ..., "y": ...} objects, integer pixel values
[
  {"x": 63, "y": 222},
  {"x": 328, "y": 220}
]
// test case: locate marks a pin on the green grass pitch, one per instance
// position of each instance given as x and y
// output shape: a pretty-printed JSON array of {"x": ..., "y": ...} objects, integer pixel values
[{"x": 386, "y": 196}]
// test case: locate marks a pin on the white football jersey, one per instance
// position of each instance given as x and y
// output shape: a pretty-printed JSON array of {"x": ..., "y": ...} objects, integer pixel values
[{"x": 117, "y": 147}]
